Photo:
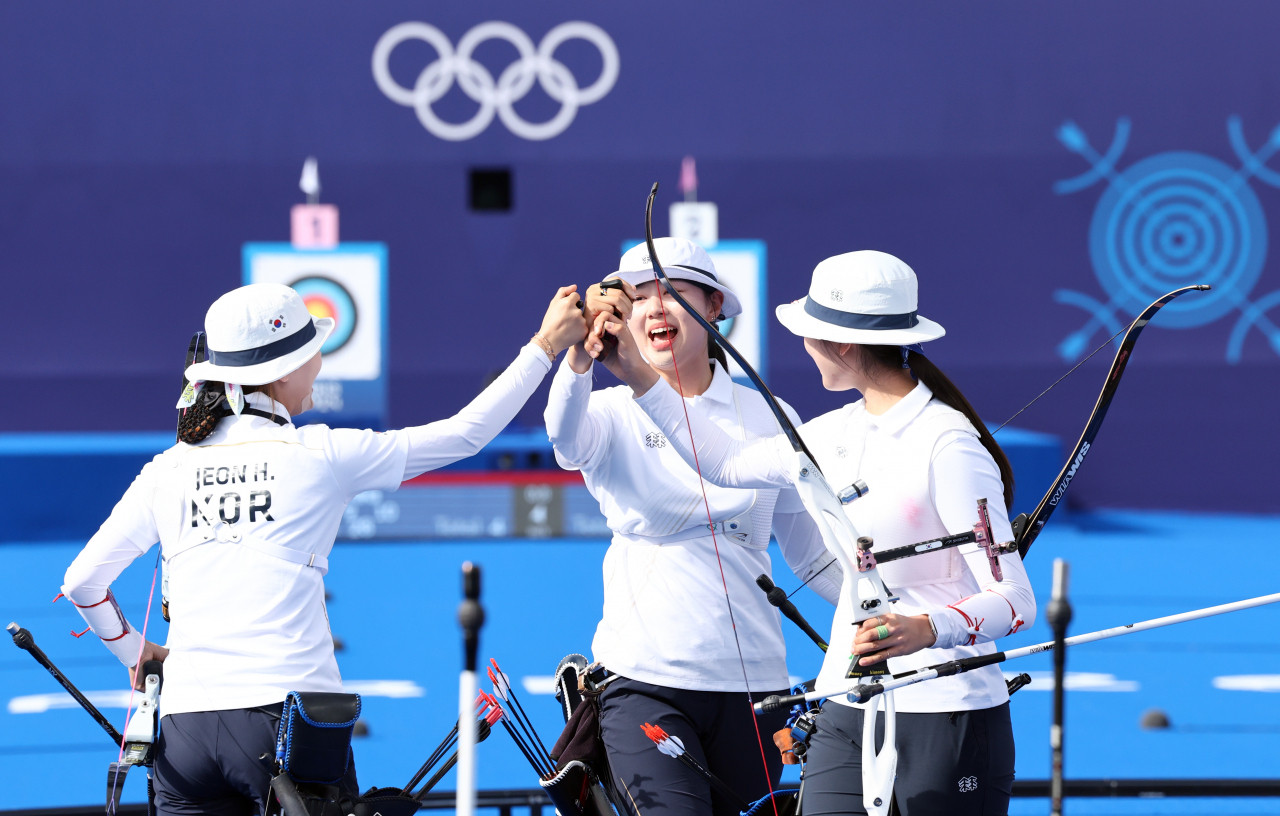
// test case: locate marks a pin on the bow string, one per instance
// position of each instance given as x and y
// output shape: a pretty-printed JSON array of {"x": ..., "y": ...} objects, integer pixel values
[{"x": 660, "y": 278}]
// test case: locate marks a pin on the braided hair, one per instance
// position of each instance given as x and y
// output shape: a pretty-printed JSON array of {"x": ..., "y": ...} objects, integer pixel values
[{"x": 201, "y": 419}]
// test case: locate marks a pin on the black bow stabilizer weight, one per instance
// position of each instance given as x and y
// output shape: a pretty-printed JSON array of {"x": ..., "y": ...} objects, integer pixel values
[
  {"x": 470, "y": 614},
  {"x": 778, "y": 598}
]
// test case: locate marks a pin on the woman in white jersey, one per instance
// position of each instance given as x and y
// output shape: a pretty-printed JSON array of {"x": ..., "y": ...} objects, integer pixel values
[
  {"x": 927, "y": 459},
  {"x": 667, "y": 629},
  {"x": 246, "y": 518}
]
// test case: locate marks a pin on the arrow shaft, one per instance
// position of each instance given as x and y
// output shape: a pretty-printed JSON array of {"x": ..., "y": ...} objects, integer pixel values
[{"x": 866, "y": 692}]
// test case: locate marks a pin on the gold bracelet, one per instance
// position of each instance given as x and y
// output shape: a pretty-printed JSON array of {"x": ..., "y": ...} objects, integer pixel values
[{"x": 546, "y": 346}]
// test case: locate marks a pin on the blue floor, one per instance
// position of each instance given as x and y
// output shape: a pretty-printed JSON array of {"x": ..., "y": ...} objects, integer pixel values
[{"x": 393, "y": 606}]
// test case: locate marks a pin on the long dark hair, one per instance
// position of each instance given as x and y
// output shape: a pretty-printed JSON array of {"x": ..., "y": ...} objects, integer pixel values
[{"x": 876, "y": 359}]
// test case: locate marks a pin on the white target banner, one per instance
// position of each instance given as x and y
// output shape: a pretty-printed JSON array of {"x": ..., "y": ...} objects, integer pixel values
[{"x": 349, "y": 284}]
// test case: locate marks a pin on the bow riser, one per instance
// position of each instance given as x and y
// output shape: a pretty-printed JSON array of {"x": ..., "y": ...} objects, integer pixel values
[
  {"x": 864, "y": 591},
  {"x": 865, "y": 595}
]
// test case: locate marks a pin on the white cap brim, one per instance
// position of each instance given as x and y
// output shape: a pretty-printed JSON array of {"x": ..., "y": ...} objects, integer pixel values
[
  {"x": 732, "y": 306},
  {"x": 271, "y": 370},
  {"x": 800, "y": 322}
]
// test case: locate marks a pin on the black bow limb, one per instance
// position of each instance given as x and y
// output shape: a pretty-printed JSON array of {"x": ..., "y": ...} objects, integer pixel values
[
  {"x": 788, "y": 427},
  {"x": 1026, "y": 528}
]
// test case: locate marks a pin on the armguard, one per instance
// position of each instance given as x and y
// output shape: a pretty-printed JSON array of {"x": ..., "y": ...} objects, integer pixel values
[{"x": 108, "y": 622}]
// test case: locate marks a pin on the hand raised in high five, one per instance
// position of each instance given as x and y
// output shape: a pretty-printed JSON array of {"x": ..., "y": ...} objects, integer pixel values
[
  {"x": 626, "y": 362},
  {"x": 564, "y": 324},
  {"x": 614, "y": 300}
]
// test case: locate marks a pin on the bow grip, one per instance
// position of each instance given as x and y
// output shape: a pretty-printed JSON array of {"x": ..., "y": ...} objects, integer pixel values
[{"x": 775, "y": 702}]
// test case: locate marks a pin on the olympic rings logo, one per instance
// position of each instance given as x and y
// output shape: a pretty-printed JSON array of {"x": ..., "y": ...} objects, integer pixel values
[{"x": 476, "y": 82}]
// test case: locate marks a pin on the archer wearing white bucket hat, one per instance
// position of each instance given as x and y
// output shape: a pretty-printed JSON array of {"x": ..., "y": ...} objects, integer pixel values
[
  {"x": 246, "y": 510},
  {"x": 865, "y": 297},
  {"x": 683, "y": 260},
  {"x": 665, "y": 629},
  {"x": 928, "y": 459},
  {"x": 258, "y": 334}
]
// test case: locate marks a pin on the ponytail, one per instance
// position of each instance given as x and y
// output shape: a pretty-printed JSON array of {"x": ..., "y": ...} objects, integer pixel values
[
  {"x": 945, "y": 391},
  {"x": 715, "y": 352}
]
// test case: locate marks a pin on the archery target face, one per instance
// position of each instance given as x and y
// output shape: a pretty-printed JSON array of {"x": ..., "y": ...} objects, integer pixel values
[
  {"x": 346, "y": 286},
  {"x": 326, "y": 297}
]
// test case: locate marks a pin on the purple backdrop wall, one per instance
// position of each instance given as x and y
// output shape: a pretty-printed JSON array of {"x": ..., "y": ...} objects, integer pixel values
[{"x": 141, "y": 145}]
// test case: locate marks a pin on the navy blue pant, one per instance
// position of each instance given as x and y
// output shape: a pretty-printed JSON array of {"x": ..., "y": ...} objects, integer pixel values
[
  {"x": 220, "y": 762},
  {"x": 716, "y": 728},
  {"x": 957, "y": 764}
]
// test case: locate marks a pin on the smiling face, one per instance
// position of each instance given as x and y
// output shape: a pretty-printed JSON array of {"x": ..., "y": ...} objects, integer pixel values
[{"x": 677, "y": 336}]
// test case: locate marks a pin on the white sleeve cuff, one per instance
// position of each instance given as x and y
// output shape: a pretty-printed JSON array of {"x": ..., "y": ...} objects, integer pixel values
[
  {"x": 127, "y": 648},
  {"x": 951, "y": 626},
  {"x": 538, "y": 351}
]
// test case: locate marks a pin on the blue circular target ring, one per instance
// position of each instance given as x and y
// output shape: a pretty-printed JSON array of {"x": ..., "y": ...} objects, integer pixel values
[
  {"x": 325, "y": 297},
  {"x": 1172, "y": 220}
]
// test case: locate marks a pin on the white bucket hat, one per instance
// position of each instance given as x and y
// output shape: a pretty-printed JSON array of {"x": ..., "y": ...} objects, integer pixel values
[
  {"x": 680, "y": 258},
  {"x": 864, "y": 297},
  {"x": 258, "y": 334}
]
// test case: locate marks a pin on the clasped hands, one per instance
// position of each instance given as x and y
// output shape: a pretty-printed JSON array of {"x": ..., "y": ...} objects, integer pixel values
[{"x": 609, "y": 340}]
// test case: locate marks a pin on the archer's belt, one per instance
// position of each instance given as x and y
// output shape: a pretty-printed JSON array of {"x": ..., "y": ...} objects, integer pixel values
[{"x": 737, "y": 529}]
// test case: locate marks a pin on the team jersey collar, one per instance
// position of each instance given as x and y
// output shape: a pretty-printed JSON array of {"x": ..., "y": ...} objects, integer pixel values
[
  {"x": 721, "y": 388},
  {"x": 904, "y": 412},
  {"x": 262, "y": 402}
]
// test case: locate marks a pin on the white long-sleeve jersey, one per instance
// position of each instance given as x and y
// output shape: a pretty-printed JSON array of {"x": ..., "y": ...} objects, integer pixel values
[
  {"x": 926, "y": 470},
  {"x": 665, "y": 620},
  {"x": 246, "y": 520}
]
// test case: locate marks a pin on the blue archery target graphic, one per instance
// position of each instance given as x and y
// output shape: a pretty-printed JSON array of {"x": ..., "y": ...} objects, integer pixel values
[
  {"x": 326, "y": 297},
  {"x": 1173, "y": 220}
]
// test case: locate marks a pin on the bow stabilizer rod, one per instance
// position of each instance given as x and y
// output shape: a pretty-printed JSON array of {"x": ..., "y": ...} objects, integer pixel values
[
  {"x": 23, "y": 640},
  {"x": 779, "y": 599},
  {"x": 860, "y": 693}
]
